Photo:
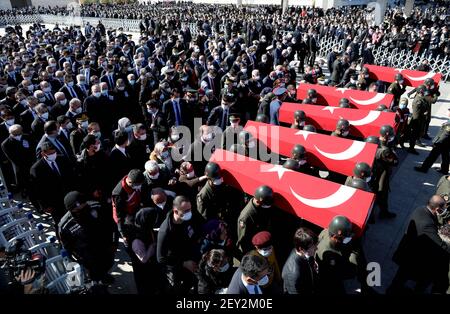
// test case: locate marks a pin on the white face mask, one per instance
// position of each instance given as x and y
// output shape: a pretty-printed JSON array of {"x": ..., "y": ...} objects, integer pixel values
[
  {"x": 368, "y": 179},
  {"x": 97, "y": 147},
  {"x": 45, "y": 116},
  {"x": 218, "y": 181},
  {"x": 10, "y": 121},
  {"x": 69, "y": 126},
  {"x": 154, "y": 177},
  {"x": 266, "y": 206},
  {"x": 51, "y": 157},
  {"x": 187, "y": 216},
  {"x": 265, "y": 252},
  {"x": 161, "y": 205},
  {"x": 208, "y": 137},
  {"x": 224, "y": 268},
  {"x": 263, "y": 281},
  {"x": 84, "y": 124},
  {"x": 402, "y": 106},
  {"x": 165, "y": 154},
  {"x": 79, "y": 110},
  {"x": 143, "y": 137},
  {"x": 137, "y": 187},
  {"x": 302, "y": 162},
  {"x": 190, "y": 175},
  {"x": 251, "y": 144},
  {"x": 347, "y": 240},
  {"x": 345, "y": 133},
  {"x": 391, "y": 138},
  {"x": 17, "y": 137}
]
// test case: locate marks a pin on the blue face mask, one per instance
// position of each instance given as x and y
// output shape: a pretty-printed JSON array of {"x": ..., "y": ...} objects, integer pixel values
[{"x": 402, "y": 106}]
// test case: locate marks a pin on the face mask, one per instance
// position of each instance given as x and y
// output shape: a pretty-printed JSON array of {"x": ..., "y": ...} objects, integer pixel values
[
  {"x": 132, "y": 82},
  {"x": 45, "y": 116},
  {"x": 128, "y": 129},
  {"x": 137, "y": 187},
  {"x": 161, "y": 205},
  {"x": 154, "y": 177},
  {"x": 234, "y": 124},
  {"x": 368, "y": 179},
  {"x": 98, "y": 135},
  {"x": 244, "y": 70},
  {"x": 70, "y": 84},
  {"x": 97, "y": 147},
  {"x": 391, "y": 138},
  {"x": 218, "y": 181},
  {"x": 302, "y": 162},
  {"x": 51, "y": 157},
  {"x": 30, "y": 88},
  {"x": 82, "y": 82},
  {"x": 165, "y": 154},
  {"x": 41, "y": 99},
  {"x": 105, "y": 92},
  {"x": 263, "y": 281},
  {"x": 257, "y": 78},
  {"x": 63, "y": 102},
  {"x": 401, "y": 82},
  {"x": 187, "y": 216},
  {"x": 97, "y": 94},
  {"x": 266, "y": 206},
  {"x": 251, "y": 144},
  {"x": 10, "y": 121},
  {"x": 121, "y": 88},
  {"x": 347, "y": 240},
  {"x": 47, "y": 90},
  {"x": 190, "y": 175},
  {"x": 345, "y": 133},
  {"x": 18, "y": 137},
  {"x": 143, "y": 137},
  {"x": 208, "y": 137},
  {"x": 402, "y": 106},
  {"x": 265, "y": 252},
  {"x": 69, "y": 126},
  {"x": 224, "y": 268}
]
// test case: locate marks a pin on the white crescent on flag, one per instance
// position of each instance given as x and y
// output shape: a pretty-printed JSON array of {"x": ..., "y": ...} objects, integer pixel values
[
  {"x": 421, "y": 78},
  {"x": 378, "y": 97},
  {"x": 342, "y": 195},
  {"x": 355, "y": 149},
  {"x": 371, "y": 116}
]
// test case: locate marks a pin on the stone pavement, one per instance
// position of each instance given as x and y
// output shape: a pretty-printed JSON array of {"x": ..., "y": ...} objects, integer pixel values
[{"x": 410, "y": 189}]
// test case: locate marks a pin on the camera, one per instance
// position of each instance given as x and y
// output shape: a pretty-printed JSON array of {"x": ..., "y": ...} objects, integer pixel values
[{"x": 19, "y": 259}]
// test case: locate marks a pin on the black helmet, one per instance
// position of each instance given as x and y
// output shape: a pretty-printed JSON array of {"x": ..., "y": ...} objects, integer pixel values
[
  {"x": 342, "y": 124},
  {"x": 237, "y": 149},
  {"x": 244, "y": 136},
  {"x": 359, "y": 184},
  {"x": 428, "y": 82},
  {"x": 381, "y": 107},
  {"x": 398, "y": 77},
  {"x": 299, "y": 115},
  {"x": 310, "y": 128},
  {"x": 261, "y": 118},
  {"x": 362, "y": 170},
  {"x": 344, "y": 101},
  {"x": 291, "y": 164},
  {"x": 298, "y": 151},
  {"x": 312, "y": 93},
  {"x": 344, "y": 105},
  {"x": 212, "y": 170},
  {"x": 421, "y": 89},
  {"x": 340, "y": 225},
  {"x": 307, "y": 101},
  {"x": 387, "y": 131},
  {"x": 264, "y": 194},
  {"x": 373, "y": 139}
]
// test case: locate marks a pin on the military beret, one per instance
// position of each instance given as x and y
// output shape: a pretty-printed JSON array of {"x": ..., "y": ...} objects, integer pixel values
[
  {"x": 279, "y": 91},
  {"x": 262, "y": 239}
]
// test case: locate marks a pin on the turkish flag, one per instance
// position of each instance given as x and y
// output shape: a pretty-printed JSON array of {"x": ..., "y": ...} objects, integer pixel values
[
  {"x": 412, "y": 78},
  {"x": 310, "y": 198},
  {"x": 363, "y": 123},
  {"x": 339, "y": 155},
  {"x": 330, "y": 96}
]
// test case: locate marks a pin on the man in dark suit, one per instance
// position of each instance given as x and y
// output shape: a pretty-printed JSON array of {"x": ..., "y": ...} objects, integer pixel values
[
  {"x": 176, "y": 110},
  {"x": 37, "y": 126},
  {"x": 71, "y": 90},
  {"x": 139, "y": 147},
  {"x": 65, "y": 128},
  {"x": 19, "y": 150},
  {"x": 61, "y": 105},
  {"x": 119, "y": 158},
  {"x": 110, "y": 77},
  {"x": 251, "y": 274},
  {"x": 14, "y": 78},
  {"x": 422, "y": 255},
  {"x": 27, "y": 117},
  {"x": 219, "y": 115},
  {"x": 212, "y": 81},
  {"x": 48, "y": 93},
  {"x": 98, "y": 109},
  {"x": 52, "y": 178},
  {"x": 51, "y": 136},
  {"x": 155, "y": 121}
]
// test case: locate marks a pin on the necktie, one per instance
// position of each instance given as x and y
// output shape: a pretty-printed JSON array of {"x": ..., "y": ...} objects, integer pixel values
[
  {"x": 111, "y": 83},
  {"x": 53, "y": 165},
  {"x": 83, "y": 89},
  {"x": 224, "y": 119},
  {"x": 211, "y": 82},
  {"x": 86, "y": 75},
  {"x": 255, "y": 289},
  {"x": 177, "y": 114},
  {"x": 50, "y": 97},
  {"x": 72, "y": 92},
  {"x": 61, "y": 148}
]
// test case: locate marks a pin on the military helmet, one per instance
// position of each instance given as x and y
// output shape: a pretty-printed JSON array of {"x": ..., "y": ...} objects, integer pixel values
[
  {"x": 428, "y": 82},
  {"x": 373, "y": 139},
  {"x": 298, "y": 151},
  {"x": 359, "y": 184},
  {"x": 340, "y": 225},
  {"x": 344, "y": 100},
  {"x": 398, "y": 77},
  {"x": 344, "y": 105},
  {"x": 299, "y": 115},
  {"x": 261, "y": 118},
  {"x": 264, "y": 194},
  {"x": 421, "y": 89},
  {"x": 342, "y": 124},
  {"x": 244, "y": 136},
  {"x": 312, "y": 93},
  {"x": 237, "y": 149},
  {"x": 381, "y": 107},
  {"x": 212, "y": 170},
  {"x": 362, "y": 170},
  {"x": 291, "y": 164},
  {"x": 307, "y": 101},
  {"x": 310, "y": 128},
  {"x": 386, "y": 131}
]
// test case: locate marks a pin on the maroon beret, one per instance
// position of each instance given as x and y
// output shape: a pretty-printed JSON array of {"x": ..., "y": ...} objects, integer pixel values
[{"x": 262, "y": 239}]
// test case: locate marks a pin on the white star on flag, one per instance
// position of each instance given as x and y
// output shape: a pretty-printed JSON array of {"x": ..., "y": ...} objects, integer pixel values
[
  {"x": 304, "y": 133},
  {"x": 330, "y": 109},
  {"x": 275, "y": 168},
  {"x": 342, "y": 89},
  {"x": 398, "y": 70}
]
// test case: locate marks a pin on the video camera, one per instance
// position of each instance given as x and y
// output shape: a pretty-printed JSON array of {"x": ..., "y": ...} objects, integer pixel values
[{"x": 19, "y": 259}]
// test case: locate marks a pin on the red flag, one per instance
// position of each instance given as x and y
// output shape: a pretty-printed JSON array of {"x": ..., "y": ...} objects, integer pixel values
[
  {"x": 412, "y": 77},
  {"x": 339, "y": 155},
  {"x": 363, "y": 123},
  {"x": 330, "y": 96},
  {"x": 313, "y": 199}
]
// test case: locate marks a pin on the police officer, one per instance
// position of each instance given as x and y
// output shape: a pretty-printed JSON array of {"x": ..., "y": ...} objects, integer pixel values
[
  {"x": 216, "y": 199},
  {"x": 89, "y": 235},
  {"x": 299, "y": 120},
  {"x": 255, "y": 217},
  {"x": 339, "y": 257},
  {"x": 397, "y": 88},
  {"x": 441, "y": 145},
  {"x": 361, "y": 172},
  {"x": 420, "y": 108},
  {"x": 342, "y": 128}
]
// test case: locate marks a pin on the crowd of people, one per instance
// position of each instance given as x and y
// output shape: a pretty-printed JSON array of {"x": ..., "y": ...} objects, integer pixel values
[{"x": 96, "y": 129}]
